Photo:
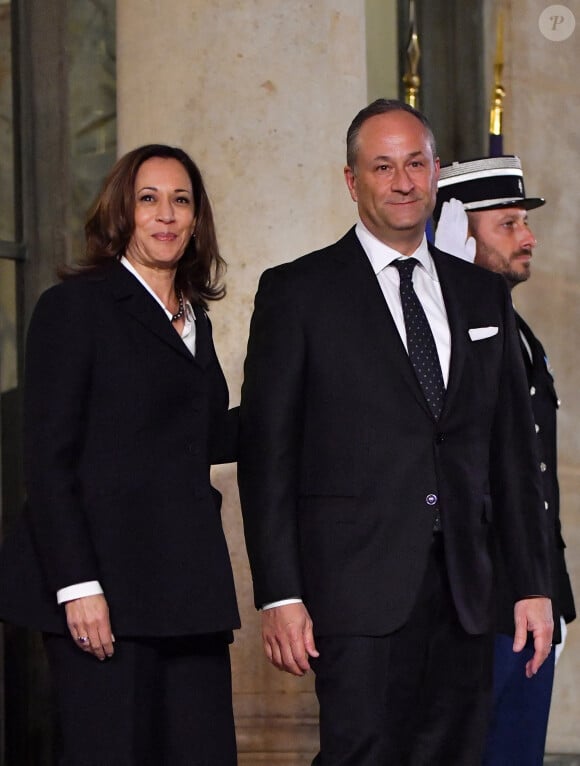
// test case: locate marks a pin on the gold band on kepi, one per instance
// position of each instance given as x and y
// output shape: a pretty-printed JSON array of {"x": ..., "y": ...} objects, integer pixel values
[{"x": 485, "y": 183}]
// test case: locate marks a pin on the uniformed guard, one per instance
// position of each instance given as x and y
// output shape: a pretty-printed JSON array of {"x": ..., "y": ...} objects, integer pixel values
[{"x": 482, "y": 209}]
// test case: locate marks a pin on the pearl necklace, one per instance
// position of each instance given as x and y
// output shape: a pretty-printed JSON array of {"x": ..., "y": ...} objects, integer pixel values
[{"x": 181, "y": 307}]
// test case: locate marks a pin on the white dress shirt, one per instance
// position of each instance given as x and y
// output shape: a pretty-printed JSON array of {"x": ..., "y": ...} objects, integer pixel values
[
  {"x": 426, "y": 285},
  {"x": 188, "y": 335}
]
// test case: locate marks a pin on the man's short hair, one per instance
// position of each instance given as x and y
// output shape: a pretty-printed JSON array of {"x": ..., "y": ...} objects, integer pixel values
[{"x": 382, "y": 106}]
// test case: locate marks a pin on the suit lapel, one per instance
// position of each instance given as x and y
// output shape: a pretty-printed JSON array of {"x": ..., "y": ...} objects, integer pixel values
[
  {"x": 203, "y": 341},
  {"x": 458, "y": 326},
  {"x": 134, "y": 299},
  {"x": 371, "y": 317}
]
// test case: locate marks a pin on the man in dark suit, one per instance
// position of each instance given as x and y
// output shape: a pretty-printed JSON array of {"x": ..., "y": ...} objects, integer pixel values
[
  {"x": 373, "y": 478},
  {"x": 484, "y": 200}
]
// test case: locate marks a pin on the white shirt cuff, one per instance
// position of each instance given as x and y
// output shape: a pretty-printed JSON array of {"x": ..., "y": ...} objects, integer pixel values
[
  {"x": 79, "y": 590},
  {"x": 283, "y": 602}
]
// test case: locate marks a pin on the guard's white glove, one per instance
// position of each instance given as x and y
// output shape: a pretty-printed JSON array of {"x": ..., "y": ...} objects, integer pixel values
[{"x": 451, "y": 235}]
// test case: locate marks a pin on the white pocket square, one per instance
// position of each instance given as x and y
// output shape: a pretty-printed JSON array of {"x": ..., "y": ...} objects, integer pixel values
[{"x": 479, "y": 333}]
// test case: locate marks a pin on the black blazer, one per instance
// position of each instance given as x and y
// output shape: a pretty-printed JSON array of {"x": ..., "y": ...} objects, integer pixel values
[
  {"x": 340, "y": 457},
  {"x": 121, "y": 425},
  {"x": 545, "y": 405}
]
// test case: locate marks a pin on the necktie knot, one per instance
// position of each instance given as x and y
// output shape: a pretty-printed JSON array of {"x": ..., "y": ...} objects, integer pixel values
[{"x": 405, "y": 267}]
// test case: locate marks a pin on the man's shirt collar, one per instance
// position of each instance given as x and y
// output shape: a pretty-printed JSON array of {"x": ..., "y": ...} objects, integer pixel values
[{"x": 381, "y": 255}]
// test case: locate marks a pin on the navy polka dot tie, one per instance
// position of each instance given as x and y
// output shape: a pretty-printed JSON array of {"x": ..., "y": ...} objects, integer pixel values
[{"x": 420, "y": 342}]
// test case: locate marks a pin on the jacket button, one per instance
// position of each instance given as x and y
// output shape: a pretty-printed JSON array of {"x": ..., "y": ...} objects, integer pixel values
[
  {"x": 543, "y": 467},
  {"x": 537, "y": 428},
  {"x": 431, "y": 499},
  {"x": 532, "y": 391},
  {"x": 546, "y": 504}
]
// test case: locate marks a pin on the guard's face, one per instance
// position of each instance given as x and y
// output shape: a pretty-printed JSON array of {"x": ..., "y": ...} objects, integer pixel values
[
  {"x": 394, "y": 182},
  {"x": 504, "y": 242}
]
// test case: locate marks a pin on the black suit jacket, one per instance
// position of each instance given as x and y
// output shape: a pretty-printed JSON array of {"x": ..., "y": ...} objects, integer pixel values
[
  {"x": 340, "y": 456},
  {"x": 121, "y": 425},
  {"x": 545, "y": 405}
]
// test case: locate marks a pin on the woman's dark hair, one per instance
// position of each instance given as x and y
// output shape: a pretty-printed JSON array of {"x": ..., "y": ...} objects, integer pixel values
[{"x": 110, "y": 225}]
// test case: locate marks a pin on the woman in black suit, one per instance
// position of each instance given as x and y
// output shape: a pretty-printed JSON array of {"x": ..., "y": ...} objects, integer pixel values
[{"x": 120, "y": 557}]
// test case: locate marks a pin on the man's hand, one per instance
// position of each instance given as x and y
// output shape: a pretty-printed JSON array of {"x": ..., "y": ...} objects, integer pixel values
[
  {"x": 534, "y": 615},
  {"x": 89, "y": 625},
  {"x": 288, "y": 638},
  {"x": 452, "y": 231}
]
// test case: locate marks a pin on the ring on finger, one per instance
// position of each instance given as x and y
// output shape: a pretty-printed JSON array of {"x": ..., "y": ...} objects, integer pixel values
[{"x": 82, "y": 639}]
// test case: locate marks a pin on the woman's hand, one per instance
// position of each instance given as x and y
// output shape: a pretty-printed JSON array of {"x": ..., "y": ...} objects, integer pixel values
[{"x": 89, "y": 625}]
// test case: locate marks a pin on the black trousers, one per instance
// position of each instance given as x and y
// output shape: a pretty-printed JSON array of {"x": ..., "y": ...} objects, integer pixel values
[
  {"x": 156, "y": 701},
  {"x": 418, "y": 697}
]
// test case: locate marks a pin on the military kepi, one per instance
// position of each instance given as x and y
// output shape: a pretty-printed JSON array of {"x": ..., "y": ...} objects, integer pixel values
[{"x": 485, "y": 183}]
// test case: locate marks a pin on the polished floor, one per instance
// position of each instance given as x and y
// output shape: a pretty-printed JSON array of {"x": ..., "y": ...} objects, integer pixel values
[{"x": 562, "y": 760}]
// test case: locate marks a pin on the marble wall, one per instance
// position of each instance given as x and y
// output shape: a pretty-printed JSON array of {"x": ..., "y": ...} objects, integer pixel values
[
  {"x": 260, "y": 92},
  {"x": 541, "y": 126}
]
